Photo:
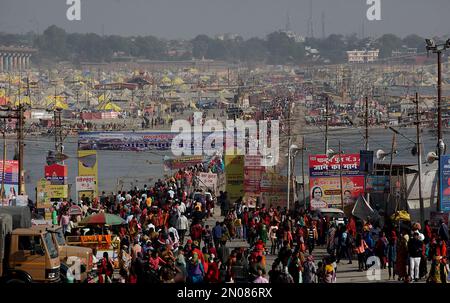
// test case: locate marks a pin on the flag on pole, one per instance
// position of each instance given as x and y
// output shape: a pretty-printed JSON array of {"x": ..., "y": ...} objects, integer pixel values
[{"x": 362, "y": 209}]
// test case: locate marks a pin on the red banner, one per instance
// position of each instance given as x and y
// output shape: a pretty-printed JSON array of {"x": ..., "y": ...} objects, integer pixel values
[
  {"x": 252, "y": 174},
  {"x": 56, "y": 174},
  {"x": 11, "y": 171},
  {"x": 181, "y": 162},
  {"x": 322, "y": 166},
  {"x": 56, "y": 170}
]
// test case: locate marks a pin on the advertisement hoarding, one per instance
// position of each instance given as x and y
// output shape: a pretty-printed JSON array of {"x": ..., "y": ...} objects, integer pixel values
[
  {"x": 85, "y": 183},
  {"x": 436, "y": 217},
  {"x": 181, "y": 162},
  {"x": 445, "y": 182},
  {"x": 11, "y": 179},
  {"x": 377, "y": 184},
  {"x": 273, "y": 183},
  {"x": 325, "y": 191},
  {"x": 252, "y": 174},
  {"x": 274, "y": 200},
  {"x": 234, "y": 171},
  {"x": 322, "y": 166},
  {"x": 88, "y": 169},
  {"x": 208, "y": 180},
  {"x": 56, "y": 174},
  {"x": 142, "y": 141},
  {"x": 58, "y": 191}
]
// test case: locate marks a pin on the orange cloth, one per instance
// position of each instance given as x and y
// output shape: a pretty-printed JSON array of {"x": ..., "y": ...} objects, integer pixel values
[{"x": 103, "y": 241}]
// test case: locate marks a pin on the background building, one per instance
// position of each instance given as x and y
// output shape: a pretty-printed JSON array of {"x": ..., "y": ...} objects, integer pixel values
[{"x": 362, "y": 56}]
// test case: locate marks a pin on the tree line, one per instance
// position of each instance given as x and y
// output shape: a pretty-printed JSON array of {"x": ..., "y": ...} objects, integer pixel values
[{"x": 276, "y": 48}]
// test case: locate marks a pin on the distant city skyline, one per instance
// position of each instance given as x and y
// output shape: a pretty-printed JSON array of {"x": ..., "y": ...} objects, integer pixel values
[{"x": 185, "y": 19}]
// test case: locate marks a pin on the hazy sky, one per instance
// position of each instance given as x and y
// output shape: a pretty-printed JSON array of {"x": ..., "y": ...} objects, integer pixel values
[{"x": 187, "y": 18}]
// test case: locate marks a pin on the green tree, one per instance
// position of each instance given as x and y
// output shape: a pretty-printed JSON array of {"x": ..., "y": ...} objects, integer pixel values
[
  {"x": 253, "y": 50},
  {"x": 53, "y": 42},
  {"x": 94, "y": 48},
  {"x": 333, "y": 48},
  {"x": 415, "y": 41},
  {"x": 352, "y": 42},
  {"x": 279, "y": 46},
  {"x": 200, "y": 46},
  {"x": 118, "y": 44},
  {"x": 297, "y": 52},
  {"x": 150, "y": 47},
  {"x": 388, "y": 43},
  {"x": 216, "y": 50}
]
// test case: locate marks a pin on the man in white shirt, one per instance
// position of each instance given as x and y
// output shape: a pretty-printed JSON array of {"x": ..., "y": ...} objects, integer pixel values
[
  {"x": 175, "y": 234},
  {"x": 84, "y": 209},
  {"x": 273, "y": 238},
  {"x": 69, "y": 227},
  {"x": 181, "y": 208},
  {"x": 171, "y": 193},
  {"x": 118, "y": 198},
  {"x": 182, "y": 227},
  {"x": 150, "y": 225},
  {"x": 260, "y": 278}
]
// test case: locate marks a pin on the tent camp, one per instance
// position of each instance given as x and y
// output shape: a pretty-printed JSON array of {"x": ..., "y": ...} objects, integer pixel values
[{"x": 110, "y": 106}]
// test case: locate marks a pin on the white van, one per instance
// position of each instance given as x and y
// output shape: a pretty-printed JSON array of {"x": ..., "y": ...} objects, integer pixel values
[{"x": 335, "y": 214}]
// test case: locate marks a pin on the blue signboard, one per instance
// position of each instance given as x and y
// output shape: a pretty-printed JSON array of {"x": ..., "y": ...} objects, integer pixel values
[
  {"x": 444, "y": 179},
  {"x": 377, "y": 184},
  {"x": 366, "y": 161}
]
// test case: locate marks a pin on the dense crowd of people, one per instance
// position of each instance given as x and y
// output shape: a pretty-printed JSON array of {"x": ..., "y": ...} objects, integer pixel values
[
  {"x": 167, "y": 238},
  {"x": 172, "y": 234}
]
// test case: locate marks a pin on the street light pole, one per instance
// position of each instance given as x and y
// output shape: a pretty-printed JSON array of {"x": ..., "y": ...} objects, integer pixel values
[
  {"x": 340, "y": 176},
  {"x": 294, "y": 188},
  {"x": 289, "y": 175},
  {"x": 326, "y": 124},
  {"x": 20, "y": 135},
  {"x": 295, "y": 148},
  {"x": 419, "y": 161},
  {"x": 3, "y": 194},
  {"x": 438, "y": 49},
  {"x": 366, "y": 122},
  {"x": 303, "y": 171},
  {"x": 439, "y": 127},
  {"x": 390, "y": 172}
]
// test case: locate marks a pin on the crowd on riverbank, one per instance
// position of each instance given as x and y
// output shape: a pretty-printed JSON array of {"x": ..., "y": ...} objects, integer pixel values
[{"x": 168, "y": 237}]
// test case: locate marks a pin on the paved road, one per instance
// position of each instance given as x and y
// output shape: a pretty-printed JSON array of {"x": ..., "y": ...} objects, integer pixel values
[{"x": 346, "y": 273}]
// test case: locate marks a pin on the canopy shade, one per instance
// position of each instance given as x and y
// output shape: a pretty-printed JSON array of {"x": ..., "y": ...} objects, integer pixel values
[
  {"x": 102, "y": 219},
  {"x": 75, "y": 210}
]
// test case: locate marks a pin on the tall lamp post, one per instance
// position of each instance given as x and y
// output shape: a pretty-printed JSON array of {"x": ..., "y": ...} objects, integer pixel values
[
  {"x": 2, "y": 191},
  {"x": 438, "y": 49},
  {"x": 416, "y": 152},
  {"x": 292, "y": 149}
]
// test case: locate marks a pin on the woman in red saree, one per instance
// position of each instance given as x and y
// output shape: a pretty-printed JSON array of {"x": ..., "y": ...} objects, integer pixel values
[
  {"x": 351, "y": 227},
  {"x": 402, "y": 258}
]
